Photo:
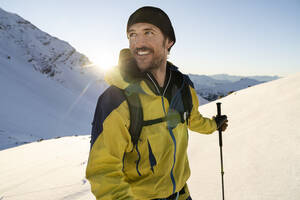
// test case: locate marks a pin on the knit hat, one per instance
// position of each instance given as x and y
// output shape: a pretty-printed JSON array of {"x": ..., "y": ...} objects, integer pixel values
[{"x": 155, "y": 16}]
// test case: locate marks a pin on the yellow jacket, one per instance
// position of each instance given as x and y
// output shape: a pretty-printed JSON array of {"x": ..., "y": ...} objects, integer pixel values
[{"x": 158, "y": 165}]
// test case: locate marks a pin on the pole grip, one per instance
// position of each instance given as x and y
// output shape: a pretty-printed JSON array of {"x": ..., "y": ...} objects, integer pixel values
[
  {"x": 219, "y": 108},
  {"x": 220, "y": 130}
]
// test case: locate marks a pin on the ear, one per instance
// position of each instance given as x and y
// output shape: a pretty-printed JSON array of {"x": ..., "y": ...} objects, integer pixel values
[{"x": 169, "y": 43}]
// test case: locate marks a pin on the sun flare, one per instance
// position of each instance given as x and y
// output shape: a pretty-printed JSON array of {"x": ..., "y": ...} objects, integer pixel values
[{"x": 103, "y": 63}]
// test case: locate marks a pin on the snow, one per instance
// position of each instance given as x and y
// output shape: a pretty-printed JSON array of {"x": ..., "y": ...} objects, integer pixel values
[
  {"x": 35, "y": 104},
  {"x": 33, "y": 107},
  {"x": 260, "y": 148},
  {"x": 52, "y": 169}
]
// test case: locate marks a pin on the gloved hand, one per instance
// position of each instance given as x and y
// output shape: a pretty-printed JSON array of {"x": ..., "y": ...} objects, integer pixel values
[{"x": 221, "y": 122}]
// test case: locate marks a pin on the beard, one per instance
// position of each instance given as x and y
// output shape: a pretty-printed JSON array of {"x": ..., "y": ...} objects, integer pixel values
[{"x": 155, "y": 63}]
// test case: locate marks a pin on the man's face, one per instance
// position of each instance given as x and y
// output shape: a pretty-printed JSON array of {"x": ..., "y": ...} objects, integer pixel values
[{"x": 148, "y": 46}]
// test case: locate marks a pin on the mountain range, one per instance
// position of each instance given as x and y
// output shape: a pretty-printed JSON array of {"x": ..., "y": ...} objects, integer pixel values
[{"x": 216, "y": 86}]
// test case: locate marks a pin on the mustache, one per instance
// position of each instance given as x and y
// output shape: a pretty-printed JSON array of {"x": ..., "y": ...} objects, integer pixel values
[{"x": 143, "y": 49}]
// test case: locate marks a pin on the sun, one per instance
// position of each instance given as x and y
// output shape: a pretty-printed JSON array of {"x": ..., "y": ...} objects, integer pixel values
[{"x": 103, "y": 63}]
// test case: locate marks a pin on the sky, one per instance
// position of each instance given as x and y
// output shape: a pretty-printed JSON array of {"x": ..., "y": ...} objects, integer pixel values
[{"x": 237, "y": 37}]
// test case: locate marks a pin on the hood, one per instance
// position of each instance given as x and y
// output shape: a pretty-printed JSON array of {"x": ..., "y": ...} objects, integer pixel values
[
  {"x": 114, "y": 77},
  {"x": 126, "y": 72}
]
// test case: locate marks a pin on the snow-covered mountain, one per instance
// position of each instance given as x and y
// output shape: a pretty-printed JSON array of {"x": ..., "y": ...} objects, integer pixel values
[
  {"x": 47, "y": 90},
  {"x": 215, "y": 86},
  {"x": 237, "y": 78},
  {"x": 260, "y": 149},
  {"x": 202, "y": 101},
  {"x": 220, "y": 90},
  {"x": 23, "y": 42}
]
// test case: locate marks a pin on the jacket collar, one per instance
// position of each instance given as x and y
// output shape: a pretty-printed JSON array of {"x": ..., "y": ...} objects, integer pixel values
[{"x": 139, "y": 82}]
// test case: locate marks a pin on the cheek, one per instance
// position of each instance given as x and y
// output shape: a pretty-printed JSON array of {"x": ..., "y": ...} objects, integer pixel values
[
  {"x": 131, "y": 45},
  {"x": 164, "y": 47}
]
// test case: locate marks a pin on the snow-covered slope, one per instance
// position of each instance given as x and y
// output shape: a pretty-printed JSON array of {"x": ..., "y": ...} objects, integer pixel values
[
  {"x": 46, "y": 88},
  {"x": 261, "y": 147},
  {"x": 34, "y": 107},
  {"x": 48, "y": 170},
  {"x": 261, "y": 153}
]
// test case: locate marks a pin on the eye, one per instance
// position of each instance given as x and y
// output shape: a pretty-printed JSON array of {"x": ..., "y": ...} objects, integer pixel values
[
  {"x": 131, "y": 35},
  {"x": 148, "y": 33}
]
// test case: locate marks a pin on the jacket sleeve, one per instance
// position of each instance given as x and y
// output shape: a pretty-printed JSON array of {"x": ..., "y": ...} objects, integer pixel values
[
  {"x": 105, "y": 165},
  {"x": 197, "y": 122}
]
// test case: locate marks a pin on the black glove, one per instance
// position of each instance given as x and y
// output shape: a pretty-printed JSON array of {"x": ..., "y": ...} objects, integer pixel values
[{"x": 220, "y": 120}]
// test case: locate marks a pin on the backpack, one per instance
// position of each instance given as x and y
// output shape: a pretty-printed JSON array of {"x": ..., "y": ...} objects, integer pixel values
[{"x": 137, "y": 121}]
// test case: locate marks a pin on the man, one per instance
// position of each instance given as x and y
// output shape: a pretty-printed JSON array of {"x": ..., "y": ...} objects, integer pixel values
[{"x": 156, "y": 167}]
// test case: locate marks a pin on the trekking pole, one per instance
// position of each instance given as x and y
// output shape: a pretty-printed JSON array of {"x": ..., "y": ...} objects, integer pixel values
[{"x": 221, "y": 151}]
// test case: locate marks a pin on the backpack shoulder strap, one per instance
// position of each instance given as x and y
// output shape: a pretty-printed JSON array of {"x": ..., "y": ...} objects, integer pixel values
[
  {"x": 136, "y": 111},
  {"x": 136, "y": 116},
  {"x": 187, "y": 96}
]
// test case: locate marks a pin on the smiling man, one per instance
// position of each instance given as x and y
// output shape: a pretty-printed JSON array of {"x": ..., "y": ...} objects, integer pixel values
[
  {"x": 149, "y": 48},
  {"x": 140, "y": 128}
]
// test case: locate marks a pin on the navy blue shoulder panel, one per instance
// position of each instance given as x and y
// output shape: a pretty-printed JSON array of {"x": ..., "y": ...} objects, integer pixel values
[
  {"x": 188, "y": 80},
  {"x": 186, "y": 77},
  {"x": 172, "y": 66},
  {"x": 110, "y": 99}
]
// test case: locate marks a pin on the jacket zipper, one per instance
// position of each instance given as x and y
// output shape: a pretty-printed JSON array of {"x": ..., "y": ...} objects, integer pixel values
[
  {"x": 156, "y": 87},
  {"x": 170, "y": 130}
]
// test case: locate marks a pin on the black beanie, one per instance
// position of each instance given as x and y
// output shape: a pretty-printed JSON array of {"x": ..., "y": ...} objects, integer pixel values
[{"x": 155, "y": 16}]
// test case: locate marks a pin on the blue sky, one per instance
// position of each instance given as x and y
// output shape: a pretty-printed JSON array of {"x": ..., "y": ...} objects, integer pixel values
[{"x": 238, "y": 37}]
